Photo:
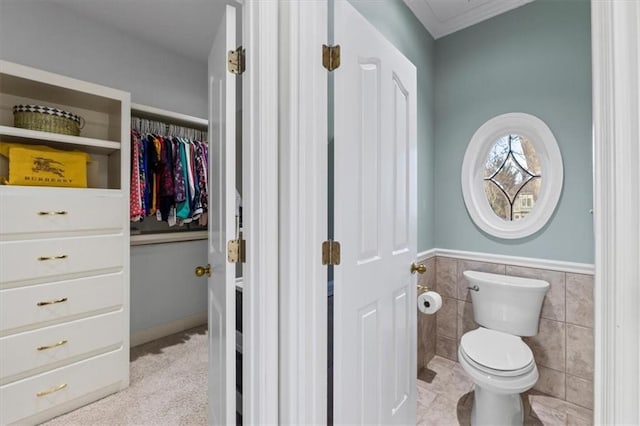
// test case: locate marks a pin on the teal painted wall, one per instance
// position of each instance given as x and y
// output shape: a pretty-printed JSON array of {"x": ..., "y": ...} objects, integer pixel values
[
  {"x": 534, "y": 59},
  {"x": 400, "y": 26}
]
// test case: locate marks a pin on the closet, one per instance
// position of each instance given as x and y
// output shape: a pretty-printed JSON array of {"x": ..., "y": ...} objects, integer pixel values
[
  {"x": 150, "y": 226},
  {"x": 64, "y": 255},
  {"x": 155, "y": 233},
  {"x": 166, "y": 296}
]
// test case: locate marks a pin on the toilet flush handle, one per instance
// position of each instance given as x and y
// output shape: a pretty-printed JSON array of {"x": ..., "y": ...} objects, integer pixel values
[{"x": 474, "y": 288}]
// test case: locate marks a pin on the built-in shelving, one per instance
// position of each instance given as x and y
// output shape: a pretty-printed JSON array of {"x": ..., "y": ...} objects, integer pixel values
[
  {"x": 68, "y": 249},
  {"x": 167, "y": 237},
  {"x": 177, "y": 118},
  {"x": 57, "y": 140},
  {"x": 104, "y": 111}
]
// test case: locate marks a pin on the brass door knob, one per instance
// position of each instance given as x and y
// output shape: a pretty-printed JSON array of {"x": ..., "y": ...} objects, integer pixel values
[
  {"x": 201, "y": 270},
  {"x": 419, "y": 268}
]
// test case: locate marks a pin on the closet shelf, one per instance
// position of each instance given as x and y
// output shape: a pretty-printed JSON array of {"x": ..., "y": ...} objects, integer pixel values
[
  {"x": 146, "y": 111},
  {"x": 167, "y": 237},
  {"x": 91, "y": 145}
]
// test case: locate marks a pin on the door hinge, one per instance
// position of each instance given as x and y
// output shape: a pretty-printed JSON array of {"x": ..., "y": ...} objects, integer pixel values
[
  {"x": 330, "y": 252},
  {"x": 236, "y": 250},
  {"x": 236, "y": 60},
  {"x": 331, "y": 56}
]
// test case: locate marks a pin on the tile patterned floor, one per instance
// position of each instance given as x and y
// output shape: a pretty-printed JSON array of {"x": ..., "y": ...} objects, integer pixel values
[{"x": 445, "y": 396}]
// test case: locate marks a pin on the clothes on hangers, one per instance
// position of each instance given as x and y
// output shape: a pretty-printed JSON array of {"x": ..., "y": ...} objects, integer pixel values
[{"x": 168, "y": 178}]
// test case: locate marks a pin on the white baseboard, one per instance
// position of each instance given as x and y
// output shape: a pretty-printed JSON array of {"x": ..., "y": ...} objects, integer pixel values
[
  {"x": 527, "y": 262},
  {"x": 144, "y": 336}
]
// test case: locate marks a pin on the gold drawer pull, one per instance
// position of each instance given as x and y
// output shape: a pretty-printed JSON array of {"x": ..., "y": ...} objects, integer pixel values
[
  {"x": 52, "y": 390},
  {"x": 52, "y": 302},
  {"x": 53, "y": 345},
  {"x": 43, "y": 258},
  {"x": 53, "y": 213}
]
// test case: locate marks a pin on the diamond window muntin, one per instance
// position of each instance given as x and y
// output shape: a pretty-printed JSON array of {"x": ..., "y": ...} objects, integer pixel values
[{"x": 511, "y": 166}]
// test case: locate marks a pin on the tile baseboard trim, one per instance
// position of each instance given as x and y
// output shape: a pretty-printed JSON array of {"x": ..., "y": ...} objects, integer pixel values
[
  {"x": 527, "y": 262},
  {"x": 163, "y": 330}
]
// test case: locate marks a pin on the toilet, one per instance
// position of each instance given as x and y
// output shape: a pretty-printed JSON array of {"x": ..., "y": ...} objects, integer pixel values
[{"x": 494, "y": 356}]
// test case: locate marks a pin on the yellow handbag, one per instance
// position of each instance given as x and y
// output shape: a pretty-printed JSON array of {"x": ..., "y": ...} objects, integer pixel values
[{"x": 35, "y": 165}]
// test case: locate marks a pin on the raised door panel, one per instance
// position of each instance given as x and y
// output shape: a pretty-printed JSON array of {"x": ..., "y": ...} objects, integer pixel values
[
  {"x": 401, "y": 157},
  {"x": 32, "y": 306},
  {"x": 53, "y": 210},
  {"x": 33, "y": 351},
  {"x": 402, "y": 347},
  {"x": 38, "y": 259},
  {"x": 368, "y": 376},
  {"x": 368, "y": 161}
]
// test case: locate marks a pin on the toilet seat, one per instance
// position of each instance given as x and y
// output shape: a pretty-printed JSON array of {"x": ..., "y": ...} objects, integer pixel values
[{"x": 496, "y": 353}]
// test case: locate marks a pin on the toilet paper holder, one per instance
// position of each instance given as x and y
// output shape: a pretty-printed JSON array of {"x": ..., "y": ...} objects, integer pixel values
[{"x": 422, "y": 288}]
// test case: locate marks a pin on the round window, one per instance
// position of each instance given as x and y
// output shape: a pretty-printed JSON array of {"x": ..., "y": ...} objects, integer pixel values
[{"x": 512, "y": 175}]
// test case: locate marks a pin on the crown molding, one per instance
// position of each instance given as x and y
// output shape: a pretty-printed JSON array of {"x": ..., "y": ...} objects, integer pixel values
[{"x": 439, "y": 26}]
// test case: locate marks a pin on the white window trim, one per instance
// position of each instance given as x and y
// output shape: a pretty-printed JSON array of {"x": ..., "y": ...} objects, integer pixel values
[{"x": 473, "y": 191}]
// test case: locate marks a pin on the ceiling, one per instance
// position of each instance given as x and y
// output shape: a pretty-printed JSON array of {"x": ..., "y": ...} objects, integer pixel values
[
  {"x": 443, "y": 17},
  {"x": 187, "y": 27}
]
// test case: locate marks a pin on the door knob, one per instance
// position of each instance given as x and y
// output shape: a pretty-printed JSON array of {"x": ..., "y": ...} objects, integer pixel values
[
  {"x": 419, "y": 268},
  {"x": 201, "y": 270}
]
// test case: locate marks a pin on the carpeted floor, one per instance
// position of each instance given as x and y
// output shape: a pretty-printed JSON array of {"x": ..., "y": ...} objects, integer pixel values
[{"x": 168, "y": 386}]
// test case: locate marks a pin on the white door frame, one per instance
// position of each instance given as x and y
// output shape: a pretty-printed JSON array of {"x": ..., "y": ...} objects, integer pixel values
[
  {"x": 616, "y": 92},
  {"x": 303, "y": 218},
  {"x": 260, "y": 213}
]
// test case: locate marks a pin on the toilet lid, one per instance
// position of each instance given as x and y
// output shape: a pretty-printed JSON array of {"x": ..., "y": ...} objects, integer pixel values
[{"x": 496, "y": 350}]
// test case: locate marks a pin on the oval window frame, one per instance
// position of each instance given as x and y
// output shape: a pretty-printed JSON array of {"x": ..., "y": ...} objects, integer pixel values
[{"x": 472, "y": 176}]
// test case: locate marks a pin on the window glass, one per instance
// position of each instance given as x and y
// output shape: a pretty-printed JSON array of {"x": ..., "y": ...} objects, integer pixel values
[{"x": 512, "y": 177}]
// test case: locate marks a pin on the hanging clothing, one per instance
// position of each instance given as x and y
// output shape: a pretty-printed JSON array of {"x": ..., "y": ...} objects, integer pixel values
[
  {"x": 135, "y": 199},
  {"x": 169, "y": 178}
]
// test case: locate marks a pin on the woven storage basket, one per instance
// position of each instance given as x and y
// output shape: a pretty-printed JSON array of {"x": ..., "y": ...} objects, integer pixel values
[{"x": 47, "y": 119}]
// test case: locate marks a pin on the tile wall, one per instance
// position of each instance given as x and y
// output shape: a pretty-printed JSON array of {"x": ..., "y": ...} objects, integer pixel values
[
  {"x": 426, "y": 323},
  {"x": 563, "y": 348}
]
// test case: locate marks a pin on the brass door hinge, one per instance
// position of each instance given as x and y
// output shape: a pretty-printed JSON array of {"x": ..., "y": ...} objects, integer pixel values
[
  {"x": 331, "y": 56},
  {"x": 236, "y": 60},
  {"x": 330, "y": 252},
  {"x": 236, "y": 251}
]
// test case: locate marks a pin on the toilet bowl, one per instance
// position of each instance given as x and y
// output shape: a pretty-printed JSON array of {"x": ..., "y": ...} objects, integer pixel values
[
  {"x": 502, "y": 367},
  {"x": 494, "y": 355}
]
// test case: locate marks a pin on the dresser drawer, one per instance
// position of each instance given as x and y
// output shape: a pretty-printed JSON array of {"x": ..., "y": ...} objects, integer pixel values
[
  {"x": 31, "y": 259},
  {"x": 35, "y": 349},
  {"x": 45, "y": 391},
  {"x": 39, "y": 210},
  {"x": 31, "y": 305}
]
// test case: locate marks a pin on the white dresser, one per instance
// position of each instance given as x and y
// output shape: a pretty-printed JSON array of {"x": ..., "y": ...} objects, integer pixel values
[{"x": 64, "y": 256}]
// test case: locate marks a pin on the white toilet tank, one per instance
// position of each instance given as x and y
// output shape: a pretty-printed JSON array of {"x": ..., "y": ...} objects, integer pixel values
[{"x": 508, "y": 304}]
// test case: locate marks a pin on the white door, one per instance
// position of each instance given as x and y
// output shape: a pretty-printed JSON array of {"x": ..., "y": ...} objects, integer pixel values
[
  {"x": 375, "y": 222},
  {"x": 222, "y": 193}
]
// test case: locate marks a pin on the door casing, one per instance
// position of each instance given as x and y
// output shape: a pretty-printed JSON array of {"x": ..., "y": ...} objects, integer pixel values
[{"x": 260, "y": 212}]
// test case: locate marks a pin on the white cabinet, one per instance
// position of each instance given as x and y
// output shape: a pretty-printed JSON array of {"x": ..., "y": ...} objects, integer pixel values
[{"x": 64, "y": 256}]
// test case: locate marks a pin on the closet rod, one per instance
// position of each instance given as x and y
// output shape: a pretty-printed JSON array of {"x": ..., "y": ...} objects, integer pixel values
[{"x": 147, "y": 125}]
